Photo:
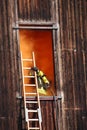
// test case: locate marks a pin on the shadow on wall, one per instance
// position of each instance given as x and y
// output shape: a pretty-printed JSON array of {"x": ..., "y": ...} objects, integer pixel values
[{"x": 41, "y": 43}]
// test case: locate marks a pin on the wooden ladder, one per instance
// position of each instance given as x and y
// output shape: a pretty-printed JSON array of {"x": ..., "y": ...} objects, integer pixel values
[{"x": 30, "y": 111}]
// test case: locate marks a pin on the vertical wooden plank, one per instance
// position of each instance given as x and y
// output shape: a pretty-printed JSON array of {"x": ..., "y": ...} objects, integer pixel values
[
  {"x": 60, "y": 36},
  {"x": 84, "y": 48},
  {"x": 20, "y": 10},
  {"x": 34, "y": 10},
  {"x": 4, "y": 62},
  {"x": 77, "y": 90},
  {"x": 74, "y": 60},
  {"x": 7, "y": 74},
  {"x": 73, "y": 40}
]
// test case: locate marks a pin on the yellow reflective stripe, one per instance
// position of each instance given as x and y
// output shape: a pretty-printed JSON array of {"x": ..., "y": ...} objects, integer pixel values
[
  {"x": 40, "y": 73},
  {"x": 45, "y": 79}
]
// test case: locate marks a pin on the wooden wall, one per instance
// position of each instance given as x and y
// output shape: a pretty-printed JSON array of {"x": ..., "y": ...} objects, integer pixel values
[
  {"x": 9, "y": 67},
  {"x": 34, "y": 10},
  {"x": 71, "y": 48},
  {"x": 72, "y": 15}
]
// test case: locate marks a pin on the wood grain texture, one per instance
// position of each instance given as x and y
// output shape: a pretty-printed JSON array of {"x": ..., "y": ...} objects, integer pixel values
[{"x": 72, "y": 41}]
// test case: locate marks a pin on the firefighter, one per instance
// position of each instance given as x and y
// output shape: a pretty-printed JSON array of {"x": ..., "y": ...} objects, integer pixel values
[{"x": 42, "y": 79}]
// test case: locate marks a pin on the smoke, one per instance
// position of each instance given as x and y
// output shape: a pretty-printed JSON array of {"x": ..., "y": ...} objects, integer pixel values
[{"x": 41, "y": 43}]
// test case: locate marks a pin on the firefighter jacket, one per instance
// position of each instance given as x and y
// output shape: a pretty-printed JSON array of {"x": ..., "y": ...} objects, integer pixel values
[{"x": 42, "y": 76}]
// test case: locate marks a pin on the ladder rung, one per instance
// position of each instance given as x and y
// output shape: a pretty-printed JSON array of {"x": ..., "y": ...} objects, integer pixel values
[
  {"x": 34, "y": 128},
  {"x": 26, "y": 68},
  {"x": 29, "y": 84},
  {"x": 30, "y": 93},
  {"x": 27, "y": 59},
  {"x": 33, "y": 119},
  {"x": 29, "y": 76},
  {"x": 32, "y": 110},
  {"x": 31, "y": 102}
]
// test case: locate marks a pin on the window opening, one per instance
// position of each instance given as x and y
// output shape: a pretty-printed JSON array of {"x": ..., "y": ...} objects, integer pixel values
[{"x": 40, "y": 42}]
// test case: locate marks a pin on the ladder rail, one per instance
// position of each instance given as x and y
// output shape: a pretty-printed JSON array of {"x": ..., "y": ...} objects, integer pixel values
[
  {"x": 24, "y": 88},
  {"x": 40, "y": 119},
  {"x": 25, "y": 94}
]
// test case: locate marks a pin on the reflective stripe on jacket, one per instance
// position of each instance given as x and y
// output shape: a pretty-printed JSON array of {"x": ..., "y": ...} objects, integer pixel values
[{"x": 42, "y": 76}]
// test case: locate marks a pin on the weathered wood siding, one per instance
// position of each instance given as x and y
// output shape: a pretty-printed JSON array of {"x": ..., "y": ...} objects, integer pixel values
[
  {"x": 72, "y": 15},
  {"x": 34, "y": 9},
  {"x": 48, "y": 115},
  {"x": 48, "y": 110},
  {"x": 72, "y": 58},
  {"x": 9, "y": 70}
]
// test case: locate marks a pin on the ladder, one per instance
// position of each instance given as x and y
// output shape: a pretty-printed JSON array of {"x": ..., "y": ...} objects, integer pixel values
[{"x": 34, "y": 121}]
